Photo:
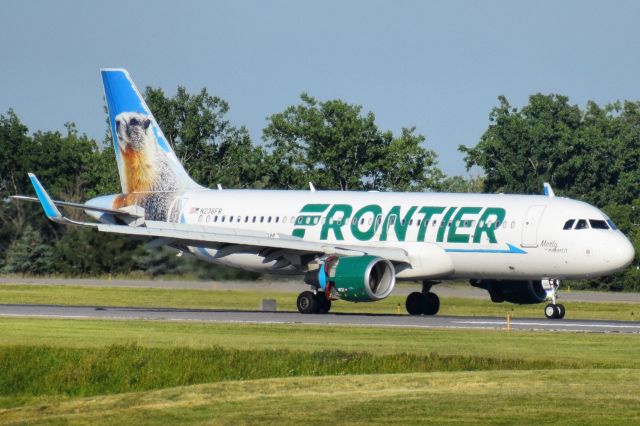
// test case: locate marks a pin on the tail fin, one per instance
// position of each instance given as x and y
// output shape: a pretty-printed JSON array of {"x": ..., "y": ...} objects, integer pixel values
[{"x": 146, "y": 162}]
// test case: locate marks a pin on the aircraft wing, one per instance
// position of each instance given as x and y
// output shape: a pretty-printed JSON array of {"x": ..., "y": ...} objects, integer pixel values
[{"x": 226, "y": 241}]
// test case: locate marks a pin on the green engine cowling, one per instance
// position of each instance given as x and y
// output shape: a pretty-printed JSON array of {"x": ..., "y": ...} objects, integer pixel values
[{"x": 363, "y": 278}]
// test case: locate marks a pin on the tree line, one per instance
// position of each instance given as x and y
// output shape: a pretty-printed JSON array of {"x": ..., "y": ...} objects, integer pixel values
[{"x": 591, "y": 154}]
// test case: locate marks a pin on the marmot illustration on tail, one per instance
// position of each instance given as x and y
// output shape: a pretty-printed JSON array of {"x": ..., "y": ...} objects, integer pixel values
[{"x": 150, "y": 182}]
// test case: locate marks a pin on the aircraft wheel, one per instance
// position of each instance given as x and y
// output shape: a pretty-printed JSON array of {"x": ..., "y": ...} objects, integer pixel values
[
  {"x": 414, "y": 303},
  {"x": 561, "y": 311},
  {"x": 431, "y": 303},
  {"x": 551, "y": 311},
  {"x": 324, "y": 303},
  {"x": 307, "y": 303}
]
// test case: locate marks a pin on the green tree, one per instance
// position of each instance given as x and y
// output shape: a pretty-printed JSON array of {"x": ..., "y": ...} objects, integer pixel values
[
  {"x": 211, "y": 149},
  {"x": 593, "y": 155},
  {"x": 29, "y": 254},
  {"x": 461, "y": 185},
  {"x": 336, "y": 146}
]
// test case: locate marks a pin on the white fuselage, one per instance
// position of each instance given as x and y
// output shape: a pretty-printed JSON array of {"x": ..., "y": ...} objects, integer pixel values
[{"x": 445, "y": 235}]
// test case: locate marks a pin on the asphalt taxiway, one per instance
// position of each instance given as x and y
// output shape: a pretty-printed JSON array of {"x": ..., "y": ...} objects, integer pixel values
[{"x": 337, "y": 319}]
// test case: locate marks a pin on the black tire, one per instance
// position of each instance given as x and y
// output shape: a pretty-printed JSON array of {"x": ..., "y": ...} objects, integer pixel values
[
  {"x": 307, "y": 303},
  {"x": 431, "y": 304},
  {"x": 551, "y": 311},
  {"x": 414, "y": 303},
  {"x": 561, "y": 310},
  {"x": 324, "y": 304}
]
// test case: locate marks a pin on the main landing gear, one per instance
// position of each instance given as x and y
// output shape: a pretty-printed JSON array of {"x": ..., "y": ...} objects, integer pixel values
[
  {"x": 313, "y": 303},
  {"x": 554, "y": 310},
  {"x": 423, "y": 303}
]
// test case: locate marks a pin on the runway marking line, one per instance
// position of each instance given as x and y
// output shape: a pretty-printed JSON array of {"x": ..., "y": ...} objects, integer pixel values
[{"x": 550, "y": 323}]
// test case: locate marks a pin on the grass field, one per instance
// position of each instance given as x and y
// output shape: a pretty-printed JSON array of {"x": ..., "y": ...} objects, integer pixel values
[
  {"x": 221, "y": 299},
  {"x": 489, "y": 397},
  {"x": 63, "y": 371},
  {"x": 74, "y": 371}
]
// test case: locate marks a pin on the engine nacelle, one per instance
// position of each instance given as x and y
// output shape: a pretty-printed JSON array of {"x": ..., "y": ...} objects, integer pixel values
[
  {"x": 523, "y": 292},
  {"x": 355, "y": 278}
]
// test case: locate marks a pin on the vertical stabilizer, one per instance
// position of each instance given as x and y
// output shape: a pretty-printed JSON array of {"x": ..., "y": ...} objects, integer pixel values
[{"x": 146, "y": 162}]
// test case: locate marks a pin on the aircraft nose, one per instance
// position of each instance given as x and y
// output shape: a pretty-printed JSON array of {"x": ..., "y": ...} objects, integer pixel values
[{"x": 623, "y": 253}]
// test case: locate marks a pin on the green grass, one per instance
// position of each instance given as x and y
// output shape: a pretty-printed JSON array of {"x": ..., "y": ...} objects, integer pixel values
[
  {"x": 47, "y": 370},
  {"x": 606, "y": 350},
  {"x": 485, "y": 397},
  {"x": 57, "y": 371},
  {"x": 249, "y": 300}
]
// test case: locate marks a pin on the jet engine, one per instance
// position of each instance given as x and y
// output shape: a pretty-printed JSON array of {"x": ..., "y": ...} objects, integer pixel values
[
  {"x": 523, "y": 292},
  {"x": 355, "y": 278}
]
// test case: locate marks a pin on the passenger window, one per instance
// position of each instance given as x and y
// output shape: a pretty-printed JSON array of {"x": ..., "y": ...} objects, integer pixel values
[
  {"x": 598, "y": 224},
  {"x": 284, "y": 219},
  {"x": 261, "y": 219},
  {"x": 246, "y": 219},
  {"x": 222, "y": 220},
  {"x": 269, "y": 219},
  {"x": 215, "y": 218},
  {"x": 568, "y": 224},
  {"x": 582, "y": 224},
  {"x": 208, "y": 218},
  {"x": 230, "y": 218},
  {"x": 200, "y": 218},
  {"x": 254, "y": 219},
  {"x": 293, "y": 219},
  {"x": 513, "y": 224}
]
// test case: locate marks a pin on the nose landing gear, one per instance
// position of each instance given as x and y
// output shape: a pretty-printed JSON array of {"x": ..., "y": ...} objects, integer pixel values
[{"x": 554, "y": 310}]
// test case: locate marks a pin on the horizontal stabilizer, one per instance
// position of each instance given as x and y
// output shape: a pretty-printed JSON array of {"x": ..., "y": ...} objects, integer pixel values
[{"x": 50, "y": 207}]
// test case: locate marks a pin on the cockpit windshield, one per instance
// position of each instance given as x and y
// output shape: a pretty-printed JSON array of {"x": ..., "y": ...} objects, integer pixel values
[
  {"x": 598, "y": 224},
  {"x": 588, "y": 224}
]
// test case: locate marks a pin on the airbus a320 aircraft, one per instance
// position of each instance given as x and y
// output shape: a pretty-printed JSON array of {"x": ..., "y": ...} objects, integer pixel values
[{"x": 350, "y": 246}]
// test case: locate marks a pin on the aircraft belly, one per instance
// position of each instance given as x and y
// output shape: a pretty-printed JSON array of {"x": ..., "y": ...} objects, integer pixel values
[{"x": 246, "y": 261}]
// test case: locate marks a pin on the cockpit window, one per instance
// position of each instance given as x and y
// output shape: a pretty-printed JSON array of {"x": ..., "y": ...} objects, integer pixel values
[
  {"x": 598, "y": 224},
  {"x": 569, "y": 224},
  {"x": 582, "y": 224},
  {"x": 611, "y": 224}
]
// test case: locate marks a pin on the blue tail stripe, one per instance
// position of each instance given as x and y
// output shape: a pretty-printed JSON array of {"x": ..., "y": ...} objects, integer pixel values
[{"x": 512, "y": 250}]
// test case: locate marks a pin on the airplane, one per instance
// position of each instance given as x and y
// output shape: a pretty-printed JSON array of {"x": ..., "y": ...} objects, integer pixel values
[{"x": 348, "y": 245}]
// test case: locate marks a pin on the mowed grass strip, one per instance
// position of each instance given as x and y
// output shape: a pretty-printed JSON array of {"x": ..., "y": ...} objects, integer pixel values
[
  {"x": 485, "y": 397},
  {"x": 607, "y": 350},
  {"x": 47, "y": 370},
  {"x": 250, "y": 300}
]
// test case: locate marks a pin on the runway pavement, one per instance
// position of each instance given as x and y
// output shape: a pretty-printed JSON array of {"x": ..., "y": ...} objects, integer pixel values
[{"x": 339, "y": 319}]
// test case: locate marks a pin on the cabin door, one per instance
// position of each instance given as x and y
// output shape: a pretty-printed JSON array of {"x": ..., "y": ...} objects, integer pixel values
[{"x": 530, "y": 226}]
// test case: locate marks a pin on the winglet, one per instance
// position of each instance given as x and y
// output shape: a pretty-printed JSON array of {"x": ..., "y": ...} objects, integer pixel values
[
  {"x": 548, "y": 191},
  {"x": 49, "y": 208}
]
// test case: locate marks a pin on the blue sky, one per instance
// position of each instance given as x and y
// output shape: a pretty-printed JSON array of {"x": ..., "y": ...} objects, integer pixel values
[{"x": 438, "y": 66}]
